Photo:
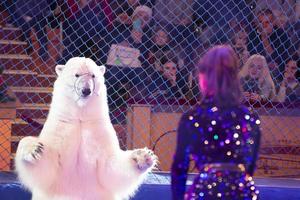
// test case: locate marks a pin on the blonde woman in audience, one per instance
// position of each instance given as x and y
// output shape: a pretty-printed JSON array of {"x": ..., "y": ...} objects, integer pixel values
[{"x": 256, "y": 79}]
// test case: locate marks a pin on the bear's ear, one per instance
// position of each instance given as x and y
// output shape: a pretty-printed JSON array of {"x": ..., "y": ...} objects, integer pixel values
[
  {"x": 102, "y": 69},
  {"x": 59, "y": 69}
]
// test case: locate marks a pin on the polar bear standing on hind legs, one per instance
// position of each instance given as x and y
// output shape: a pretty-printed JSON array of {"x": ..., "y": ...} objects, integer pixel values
[{"x": 77, "y": 154}]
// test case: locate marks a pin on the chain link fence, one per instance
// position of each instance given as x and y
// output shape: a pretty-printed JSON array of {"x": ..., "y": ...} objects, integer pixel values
[{"x": 150, "y": 48}]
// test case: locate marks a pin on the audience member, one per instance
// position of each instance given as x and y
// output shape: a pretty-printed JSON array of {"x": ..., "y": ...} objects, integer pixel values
[
  {"x": 4, "y": 96},
  {"x": 240, "y": 47},
  {"x": 84, "y": 26},
  {"x": 139, "y": 20},
  {"x": 215, "y": 18},
  {"x": 176, "y": 12},
  {"x": 289, "y": 90},
  {"x": 135, "y": 42},
  {"x": 160, "y": 45},
  {"x": 256, "y": 79},
  {"x": 193, "y": 93},
  {"x": 123, "y": 10},
  {"x": 297, "y": 10},
  {"x": 270, "y": 41},
  {"x": 34, "y": 13},
  {"x": 294, "y": 33},
  {"x": 280, "y": 19},
  {"x": 164, "y": 82},
  {"x": 13, "y": 18},
  {"x": 286, "y": 6},
  {"x": 137, "y": 37}
]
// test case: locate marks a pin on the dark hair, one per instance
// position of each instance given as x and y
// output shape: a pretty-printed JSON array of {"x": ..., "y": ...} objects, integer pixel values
[
  {"x": 169, "y": 57},
  {"x": 220, "y": 67},
  {"x": 265, "y": 11}
]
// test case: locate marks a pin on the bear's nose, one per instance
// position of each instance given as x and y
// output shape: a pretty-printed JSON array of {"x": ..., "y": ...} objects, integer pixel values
[{"x": 86, "y": 92}]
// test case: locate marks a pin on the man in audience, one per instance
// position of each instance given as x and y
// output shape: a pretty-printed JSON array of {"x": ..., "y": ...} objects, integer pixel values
[{"x": 270, "y": 41}]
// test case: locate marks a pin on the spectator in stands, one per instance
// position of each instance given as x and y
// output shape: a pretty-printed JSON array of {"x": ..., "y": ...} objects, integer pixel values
[
  {"x": 84, "y": 26},
  {"x": 256, "y": 79},
  {"x": 297, "y": 10},
  {"x": 240, "y": 46},
  {"x": 123, "y": 10},
  {"x": 139, "y": 19},
  {"x": 137, "y": 37},
  {"x": 290, "y": 26},
  {"x": 33, "y": 13},
  {"x": 295, "y": 32},
  {"x": 286, "y": 6},
  {"x": 176, "y": 12},
  {"x": 164, "y": 82},
  {"x": 270, "y": 41},
  {"x": 280, "y": 19},
  {"x": 160, "y": 45},
  {"x": 214, "y": 18},
  {"x": 4, "y": 96},
  {"x": 10, "y": 8},
  {"x": 289, "y": 90}
]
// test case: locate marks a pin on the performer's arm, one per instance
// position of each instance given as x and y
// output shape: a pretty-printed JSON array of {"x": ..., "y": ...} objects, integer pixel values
[
  {"x": 181, "y": 161},
  {"x": 256, "y": 138}
]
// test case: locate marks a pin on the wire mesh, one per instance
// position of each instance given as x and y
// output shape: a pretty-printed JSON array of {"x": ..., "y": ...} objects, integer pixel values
[{"x": 150, "y": 49}]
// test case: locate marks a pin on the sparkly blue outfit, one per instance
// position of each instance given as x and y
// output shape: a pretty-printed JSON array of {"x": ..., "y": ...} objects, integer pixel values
[{"x": 223, "y": 143}]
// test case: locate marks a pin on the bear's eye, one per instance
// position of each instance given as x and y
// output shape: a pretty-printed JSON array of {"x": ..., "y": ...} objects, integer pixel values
[
  {"x": 93, "y": 76},
  {"x": 77, "y": 75}
]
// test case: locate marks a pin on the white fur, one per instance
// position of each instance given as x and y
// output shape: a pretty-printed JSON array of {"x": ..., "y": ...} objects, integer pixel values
[{"x": 77, "y": 155}]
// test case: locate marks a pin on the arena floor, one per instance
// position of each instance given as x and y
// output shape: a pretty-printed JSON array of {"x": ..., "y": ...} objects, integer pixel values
[{"x": 157, "y": 187}]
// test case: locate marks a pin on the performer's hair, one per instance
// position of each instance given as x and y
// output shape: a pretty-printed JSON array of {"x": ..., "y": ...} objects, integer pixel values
[{"x": 220, "y": 67}]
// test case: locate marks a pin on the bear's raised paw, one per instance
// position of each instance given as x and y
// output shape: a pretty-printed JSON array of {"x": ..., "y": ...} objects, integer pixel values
[
  {"x": 32, "y": 153},
  {"x": 144, "y": 159}
]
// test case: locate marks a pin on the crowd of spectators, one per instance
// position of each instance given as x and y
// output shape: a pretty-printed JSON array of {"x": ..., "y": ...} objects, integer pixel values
[{"x": 166, "y": 35}]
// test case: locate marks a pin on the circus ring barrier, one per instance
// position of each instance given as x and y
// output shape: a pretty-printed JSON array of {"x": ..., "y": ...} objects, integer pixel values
[{"x": 279, "y": 153}]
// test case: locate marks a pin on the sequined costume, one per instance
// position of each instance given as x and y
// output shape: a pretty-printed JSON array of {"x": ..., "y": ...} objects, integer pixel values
[{"x": 224, "y": 144}]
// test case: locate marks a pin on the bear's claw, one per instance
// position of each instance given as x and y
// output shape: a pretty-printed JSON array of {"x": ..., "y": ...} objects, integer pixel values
[{"x": 33, "y": 152}]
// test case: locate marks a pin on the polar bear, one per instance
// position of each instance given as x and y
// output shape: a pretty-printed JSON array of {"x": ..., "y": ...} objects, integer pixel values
[{"x": 77, "y": 154}]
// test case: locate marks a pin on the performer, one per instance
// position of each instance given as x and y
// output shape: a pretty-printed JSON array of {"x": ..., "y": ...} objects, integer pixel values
[{"x": 220, "y": 134}]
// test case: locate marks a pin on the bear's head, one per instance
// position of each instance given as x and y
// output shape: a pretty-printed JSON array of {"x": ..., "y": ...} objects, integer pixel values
[{"x": 80, "y": 84}]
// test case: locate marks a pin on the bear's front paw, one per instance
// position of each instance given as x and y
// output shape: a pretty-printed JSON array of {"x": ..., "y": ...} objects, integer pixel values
[
  {"x": 32, "y": 153},
  {"x": 144, "y": 159}
]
